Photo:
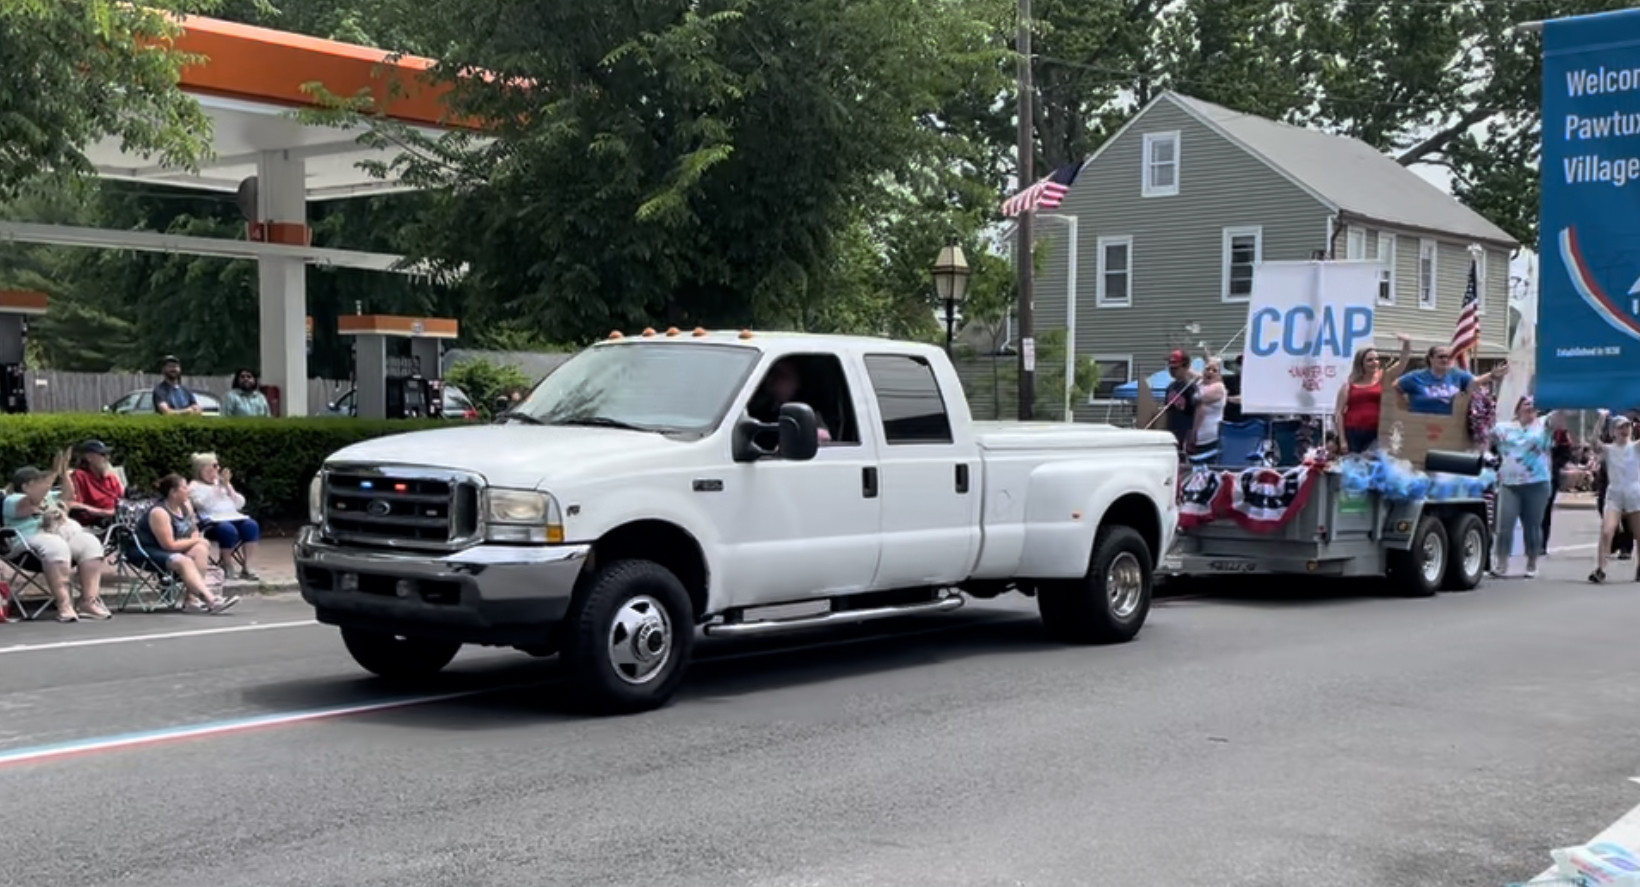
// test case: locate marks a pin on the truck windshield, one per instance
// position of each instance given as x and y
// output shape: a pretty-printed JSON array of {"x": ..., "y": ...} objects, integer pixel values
[{"x": 664, "y": 387}]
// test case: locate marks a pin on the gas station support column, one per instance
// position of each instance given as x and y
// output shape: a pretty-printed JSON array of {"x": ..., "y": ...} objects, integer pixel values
[{"x": 282, "y": 283}]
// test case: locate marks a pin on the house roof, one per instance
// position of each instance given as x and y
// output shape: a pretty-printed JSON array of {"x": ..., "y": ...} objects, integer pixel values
[{"x": 1351, "y": 175}]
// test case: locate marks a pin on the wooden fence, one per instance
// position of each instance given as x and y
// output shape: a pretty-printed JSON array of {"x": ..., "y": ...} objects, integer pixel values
[{"x": 58, "y": 391}]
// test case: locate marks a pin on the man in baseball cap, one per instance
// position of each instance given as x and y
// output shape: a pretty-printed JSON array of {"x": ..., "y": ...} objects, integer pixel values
[
  {"x": 171, "y": 398},
  {"x": 1183, "y": 396},
  {"x": 97, "y": 488}
]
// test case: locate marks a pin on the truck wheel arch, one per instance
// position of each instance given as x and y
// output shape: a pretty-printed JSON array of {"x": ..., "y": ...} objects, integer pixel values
[
  {"x": 1135, "y": 510},
  {"x": 661, "y": 542}
]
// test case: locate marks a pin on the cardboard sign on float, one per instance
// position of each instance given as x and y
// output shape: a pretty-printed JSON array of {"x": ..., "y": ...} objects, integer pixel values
[{"x": 1410, "y": 436}]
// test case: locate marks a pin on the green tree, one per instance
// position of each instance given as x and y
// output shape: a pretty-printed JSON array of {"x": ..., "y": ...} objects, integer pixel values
[
  {"x": 679, "y": 163},
  {"x": 83, "y": 70},
  {"x": 485, "y": 381}
]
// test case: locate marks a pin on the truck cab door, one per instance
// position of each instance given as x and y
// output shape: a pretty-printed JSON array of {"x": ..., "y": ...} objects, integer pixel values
[
  {"x": 804, "y": 530},
  {"x": 930, "y": 475}
]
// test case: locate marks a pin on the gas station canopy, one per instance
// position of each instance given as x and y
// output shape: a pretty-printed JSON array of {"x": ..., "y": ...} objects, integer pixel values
[{"x": 249, "y": 82}]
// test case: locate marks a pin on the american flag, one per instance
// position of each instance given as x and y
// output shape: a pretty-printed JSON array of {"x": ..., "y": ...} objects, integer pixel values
[
  {"x": 1046, "y": 194},
  {"x": 1468, "y": 333}
]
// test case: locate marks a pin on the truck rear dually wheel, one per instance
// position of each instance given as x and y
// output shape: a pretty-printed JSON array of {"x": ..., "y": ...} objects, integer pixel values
[
  {"x": 1110, "y": 604},
  {"x": 629, "y": 637},
  {"x": 398, "y": 658}
]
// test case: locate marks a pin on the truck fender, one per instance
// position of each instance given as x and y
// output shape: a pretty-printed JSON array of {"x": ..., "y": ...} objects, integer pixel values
[{"x": 1067, "y": 502}]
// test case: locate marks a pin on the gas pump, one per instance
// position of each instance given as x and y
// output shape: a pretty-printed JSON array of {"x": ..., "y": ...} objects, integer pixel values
[
  {"x": 15, "y": 309},
  {"x": 388, "y": 383}
]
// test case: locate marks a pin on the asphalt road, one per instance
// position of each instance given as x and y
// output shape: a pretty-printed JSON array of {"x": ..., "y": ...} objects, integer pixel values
[{"x": 1343, "y": 738}]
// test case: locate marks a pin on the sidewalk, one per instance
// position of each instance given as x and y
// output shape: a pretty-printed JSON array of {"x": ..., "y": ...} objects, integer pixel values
[{"x": 275, "y": 570}]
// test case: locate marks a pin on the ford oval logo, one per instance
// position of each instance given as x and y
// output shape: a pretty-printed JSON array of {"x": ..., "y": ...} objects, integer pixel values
[{"x": 379, "y": 508}]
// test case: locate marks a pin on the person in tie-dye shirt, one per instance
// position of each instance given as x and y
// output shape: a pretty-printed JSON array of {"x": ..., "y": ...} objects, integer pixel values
[{"x": 1524, "y": 448}]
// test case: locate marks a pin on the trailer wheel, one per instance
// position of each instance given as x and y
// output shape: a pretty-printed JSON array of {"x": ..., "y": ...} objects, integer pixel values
[
  {"x": 1471, "y": 550},
  {"x": 1421, "y": 569},
  {"x": 1110, "y": 604}
]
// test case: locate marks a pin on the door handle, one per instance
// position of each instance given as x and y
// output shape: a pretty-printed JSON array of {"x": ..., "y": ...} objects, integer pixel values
[
  {"x": 962, "y": 477},
  {"x": 868, "y": 483}
]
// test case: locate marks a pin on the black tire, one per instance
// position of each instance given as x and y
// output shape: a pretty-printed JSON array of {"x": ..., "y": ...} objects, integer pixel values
[
  {"x": 1412, "y": 569},
  {"x": 640, "y": 608},
  {"x": 1110, "y": 604},
  {"x": 398, "y": 658},
  {"x": 1470, "y": 552}
]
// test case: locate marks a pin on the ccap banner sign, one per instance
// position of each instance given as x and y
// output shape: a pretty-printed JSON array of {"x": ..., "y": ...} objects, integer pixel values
[{"x": 1305, "y": 321}]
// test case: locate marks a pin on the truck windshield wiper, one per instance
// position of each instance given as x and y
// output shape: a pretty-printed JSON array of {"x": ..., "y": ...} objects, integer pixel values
[
  {"x": 526, "y": 418},
  {"x": 602, "y": 422}
]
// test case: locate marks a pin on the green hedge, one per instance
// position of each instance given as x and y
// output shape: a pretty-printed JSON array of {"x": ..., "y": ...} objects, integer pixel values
[{"x": 273, "y": 460}]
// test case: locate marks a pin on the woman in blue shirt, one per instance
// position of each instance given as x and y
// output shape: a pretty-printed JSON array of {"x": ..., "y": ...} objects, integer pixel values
[
  {"x": 1525, "y": 447},
  {"x": 1432, "y": 389}
]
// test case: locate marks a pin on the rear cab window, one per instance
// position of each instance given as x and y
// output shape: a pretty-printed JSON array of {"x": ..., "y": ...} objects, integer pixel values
[{"x": 909, "y": 400}]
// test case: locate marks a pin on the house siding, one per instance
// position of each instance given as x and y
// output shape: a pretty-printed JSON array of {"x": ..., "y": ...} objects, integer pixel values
[
  {"x": 1177, "y": 250},
  {"x": 1425, "y": 326}
]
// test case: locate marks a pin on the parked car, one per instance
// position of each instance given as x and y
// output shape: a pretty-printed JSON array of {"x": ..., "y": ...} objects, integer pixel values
[
  {"x": 633, "y": 498},
  {"x": 143, "y": 402},
  {"x": 458, "y": 407}
]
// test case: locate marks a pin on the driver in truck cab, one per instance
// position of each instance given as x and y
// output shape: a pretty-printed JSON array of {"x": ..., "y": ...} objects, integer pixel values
[{"x": 782, "y": 386}]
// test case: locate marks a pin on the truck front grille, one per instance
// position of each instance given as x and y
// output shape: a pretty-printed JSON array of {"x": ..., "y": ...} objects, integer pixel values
[{"x": 400, "y": 508}]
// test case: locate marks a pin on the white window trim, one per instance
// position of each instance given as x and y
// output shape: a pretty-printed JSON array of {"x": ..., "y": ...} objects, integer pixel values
[
  {"x": 1386, "y": 260},
  {"x": 1480, "y": 283},
  {"x": 1355, "y": 244},
  {"x": 1144, "y": 166},
  {"x": 1100, "y": 301},
  {"x": 1093, "y": 396},
  {"x": 1230, "y": 234},
  {"x": 1434, "y": 249}
]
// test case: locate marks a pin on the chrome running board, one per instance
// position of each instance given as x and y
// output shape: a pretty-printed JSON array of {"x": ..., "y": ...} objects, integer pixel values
[{"x": 836, "y": 617}]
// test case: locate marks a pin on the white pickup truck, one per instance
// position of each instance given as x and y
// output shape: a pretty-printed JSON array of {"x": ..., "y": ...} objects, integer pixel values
[{"x": 667, "y": 482}]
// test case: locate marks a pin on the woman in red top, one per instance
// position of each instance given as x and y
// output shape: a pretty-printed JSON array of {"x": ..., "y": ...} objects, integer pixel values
[
  {"x": 1360, "y": 401},
  {"x": 97, "y": 489}
]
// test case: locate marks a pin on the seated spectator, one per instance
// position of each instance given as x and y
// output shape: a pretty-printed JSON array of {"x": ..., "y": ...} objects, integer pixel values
[
  {"x": 245, "y": 398},
  {"x": 97, "y": 488},
  {"x": 171, "y": 397},
  {"x": 169, "y": 539},
  {"x": 40, "y": 516},
  {"x": 218, "y": 505}
]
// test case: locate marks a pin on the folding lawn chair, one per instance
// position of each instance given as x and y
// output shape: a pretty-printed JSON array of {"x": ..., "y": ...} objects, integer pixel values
[
  {"x": 147, "y": 586},
  {"x": 30, "y": 595}
]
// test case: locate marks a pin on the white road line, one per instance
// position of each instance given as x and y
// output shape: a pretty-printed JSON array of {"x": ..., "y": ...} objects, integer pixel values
[
  {"x": 157, "y": 636},
  {"x": 1624, "y": 832},
  {"x": 1562, "y": 549}
]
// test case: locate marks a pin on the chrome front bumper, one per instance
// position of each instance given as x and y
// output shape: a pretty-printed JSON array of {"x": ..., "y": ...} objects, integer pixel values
[{"x": 487, "y": 594}]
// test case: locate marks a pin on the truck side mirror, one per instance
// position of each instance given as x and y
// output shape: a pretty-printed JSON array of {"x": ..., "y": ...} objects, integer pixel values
[{"x": 798, "y": 430}]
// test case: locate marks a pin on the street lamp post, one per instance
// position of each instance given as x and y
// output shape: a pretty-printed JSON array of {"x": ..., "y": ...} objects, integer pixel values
[{"x": 951, "y": 286}]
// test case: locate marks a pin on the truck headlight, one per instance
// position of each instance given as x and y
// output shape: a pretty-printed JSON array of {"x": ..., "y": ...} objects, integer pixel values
[
  {"x": 522, "y": 516},
  {"x": 316, "y": 500}
]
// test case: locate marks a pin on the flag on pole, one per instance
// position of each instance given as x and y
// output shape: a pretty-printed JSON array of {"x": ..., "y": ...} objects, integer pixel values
[
  {"x": 1468, "y": 333},
  {"x": 1046, "y": 194}
]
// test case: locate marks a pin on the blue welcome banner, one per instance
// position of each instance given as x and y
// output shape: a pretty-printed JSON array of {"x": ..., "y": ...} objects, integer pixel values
[{"x": 1588, "y": 332}]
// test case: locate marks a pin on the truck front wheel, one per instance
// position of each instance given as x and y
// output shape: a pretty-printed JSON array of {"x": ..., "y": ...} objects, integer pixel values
[
  {"x": 1110, "y": 604},
  {"x": 628, "y": 639},
  {"x": 398, "y": 658}
]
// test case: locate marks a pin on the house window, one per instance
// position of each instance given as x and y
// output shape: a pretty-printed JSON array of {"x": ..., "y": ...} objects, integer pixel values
[
  {"x": 1386, "y": 273},
  {"x": 1161, "y": 164},
  {"x": 1426, "y": 274},
  {"x": 1115, "y": 272},
  {"x": 1115, "y": 370},
  {"x": 1243, "y": 250},
  {"x": 1355, "y": 245}
]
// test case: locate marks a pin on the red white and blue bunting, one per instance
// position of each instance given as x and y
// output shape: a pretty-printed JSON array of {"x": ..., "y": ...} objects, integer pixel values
[{"x": 1259, "y": 499}]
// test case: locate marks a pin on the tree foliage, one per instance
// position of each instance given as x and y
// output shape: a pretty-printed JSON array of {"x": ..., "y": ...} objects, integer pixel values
[{"x": 78, "y": 71}]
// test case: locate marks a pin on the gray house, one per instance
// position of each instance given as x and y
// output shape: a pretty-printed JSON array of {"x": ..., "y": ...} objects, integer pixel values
[{"x": 1175, "y": 210}]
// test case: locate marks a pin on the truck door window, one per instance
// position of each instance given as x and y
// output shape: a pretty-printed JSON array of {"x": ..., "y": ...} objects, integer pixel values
[
  {"x": 909, "y": 399},
  {"x": 813, "y": 379}
]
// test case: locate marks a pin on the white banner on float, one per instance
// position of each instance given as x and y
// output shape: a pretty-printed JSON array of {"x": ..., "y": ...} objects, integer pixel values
[{"x": 1305, "y": 322}]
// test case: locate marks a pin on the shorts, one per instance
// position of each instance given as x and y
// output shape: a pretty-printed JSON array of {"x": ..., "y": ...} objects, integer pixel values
[
  {"x": 1623, "y": 500},
  {"x": 78, "y": 548}
]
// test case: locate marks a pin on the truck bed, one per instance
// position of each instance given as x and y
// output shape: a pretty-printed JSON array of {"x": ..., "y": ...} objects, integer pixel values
[{"x": 1001, "y": 437}]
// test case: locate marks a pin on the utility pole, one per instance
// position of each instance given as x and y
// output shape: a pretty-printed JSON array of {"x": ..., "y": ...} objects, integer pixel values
[{"x": 1022, "y": 251}]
